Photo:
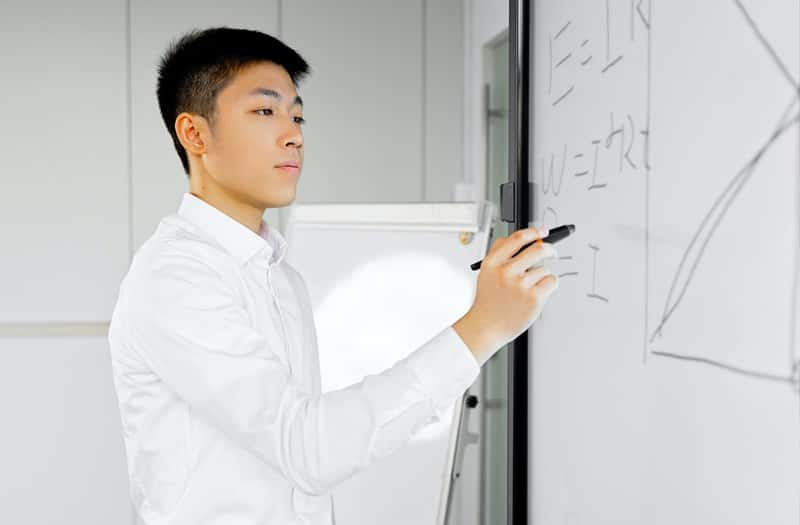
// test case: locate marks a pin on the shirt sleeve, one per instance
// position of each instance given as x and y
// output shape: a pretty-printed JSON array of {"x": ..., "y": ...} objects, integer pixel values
[{"x": 190, "y": 327}]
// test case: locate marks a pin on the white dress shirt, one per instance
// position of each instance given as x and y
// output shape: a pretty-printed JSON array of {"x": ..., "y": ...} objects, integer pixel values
[{"x": 216, "y": 369}]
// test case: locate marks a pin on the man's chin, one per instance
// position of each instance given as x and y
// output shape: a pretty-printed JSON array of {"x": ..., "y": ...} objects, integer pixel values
[{"x": 284, "y": 201}]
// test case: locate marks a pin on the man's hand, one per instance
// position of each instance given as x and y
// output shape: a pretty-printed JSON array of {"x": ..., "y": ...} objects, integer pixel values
[{"x": 509, "y": 296}]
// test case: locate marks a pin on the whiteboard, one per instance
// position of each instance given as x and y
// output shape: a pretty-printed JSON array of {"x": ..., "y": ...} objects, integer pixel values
[
  {"x": 664, "y": 385},
  {"x": 383, "y": 280}
]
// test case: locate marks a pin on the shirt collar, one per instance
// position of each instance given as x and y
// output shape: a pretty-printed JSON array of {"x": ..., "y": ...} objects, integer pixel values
[{"x": 239, "y": 240}]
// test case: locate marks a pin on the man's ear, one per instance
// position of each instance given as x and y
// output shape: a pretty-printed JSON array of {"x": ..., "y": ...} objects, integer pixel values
[{"x": 190, "y": 129}]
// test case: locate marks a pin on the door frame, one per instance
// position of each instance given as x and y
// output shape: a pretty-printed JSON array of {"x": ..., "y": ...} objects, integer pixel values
[{"x": 519, "y": 143}]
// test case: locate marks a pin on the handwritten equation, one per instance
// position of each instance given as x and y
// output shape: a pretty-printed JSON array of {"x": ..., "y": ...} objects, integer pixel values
[
  {"x": 571, "y": 54},
  {"x": 624, "y": 139},
  {"x": 581, "y": 74}
]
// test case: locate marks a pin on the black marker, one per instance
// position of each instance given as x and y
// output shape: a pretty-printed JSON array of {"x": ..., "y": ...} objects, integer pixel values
[{"x": 554, "y": 235}]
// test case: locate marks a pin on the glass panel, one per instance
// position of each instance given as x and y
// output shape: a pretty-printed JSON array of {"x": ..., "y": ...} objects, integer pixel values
[{"x": 495, "y": 394}]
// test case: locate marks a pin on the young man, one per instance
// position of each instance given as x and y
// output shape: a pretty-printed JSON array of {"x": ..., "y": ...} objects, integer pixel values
[{"x": 212, "y": 338}]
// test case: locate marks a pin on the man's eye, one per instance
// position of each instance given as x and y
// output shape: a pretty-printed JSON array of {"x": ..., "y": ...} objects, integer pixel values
[{"x": 299, "y": 120}]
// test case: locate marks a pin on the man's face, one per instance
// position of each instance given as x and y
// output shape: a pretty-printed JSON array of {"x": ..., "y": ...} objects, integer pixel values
[{"x": 257, "y": 128}]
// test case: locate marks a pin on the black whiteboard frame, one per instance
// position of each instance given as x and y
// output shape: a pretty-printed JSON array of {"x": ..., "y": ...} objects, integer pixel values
[{"x": 520, "y": 16}]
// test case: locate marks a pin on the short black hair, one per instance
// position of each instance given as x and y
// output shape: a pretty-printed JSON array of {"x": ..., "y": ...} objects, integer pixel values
[{"x": 199, "y": 64}]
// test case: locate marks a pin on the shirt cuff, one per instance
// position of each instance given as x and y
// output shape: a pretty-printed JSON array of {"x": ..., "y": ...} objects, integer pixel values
[{"x": 445, "y": 367}]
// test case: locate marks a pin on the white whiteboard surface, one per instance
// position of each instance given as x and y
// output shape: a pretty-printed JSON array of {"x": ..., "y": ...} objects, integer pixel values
[
  {"x": 383, "y": 280},
  {"x": 666, "y": 391}
]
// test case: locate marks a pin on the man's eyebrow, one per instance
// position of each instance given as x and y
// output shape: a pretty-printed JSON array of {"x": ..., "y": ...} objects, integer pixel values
[{"x": 272, "y": 93}]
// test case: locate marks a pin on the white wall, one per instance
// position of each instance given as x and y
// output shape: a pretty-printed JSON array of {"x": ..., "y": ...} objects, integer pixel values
[
  {"x": 384, "y": 102},
  {"x": 485, "y": 19},
  {"x": 63, "y": 142},
  {"x": 88, "y": 170},
  {"x": 64, "y": 224}
]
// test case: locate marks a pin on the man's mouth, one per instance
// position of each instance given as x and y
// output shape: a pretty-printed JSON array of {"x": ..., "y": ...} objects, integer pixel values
[{"x": 291, "y": 167}]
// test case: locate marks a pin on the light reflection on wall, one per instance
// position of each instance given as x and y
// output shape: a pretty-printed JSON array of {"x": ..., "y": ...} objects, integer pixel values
[{"x": 382, "y": 311}]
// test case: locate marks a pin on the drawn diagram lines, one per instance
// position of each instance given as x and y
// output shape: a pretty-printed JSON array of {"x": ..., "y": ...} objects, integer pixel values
[
  {"x": 726, "y": 199},
  {"x": 767, "y": 46},
  {"x": 790, "y": 379},
  {"x": 708, "y": 226},
  {"x": 647, "y": 174}
]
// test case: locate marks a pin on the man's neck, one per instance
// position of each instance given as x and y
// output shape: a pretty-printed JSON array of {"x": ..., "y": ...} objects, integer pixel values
[{"x": 241, "y": 212}]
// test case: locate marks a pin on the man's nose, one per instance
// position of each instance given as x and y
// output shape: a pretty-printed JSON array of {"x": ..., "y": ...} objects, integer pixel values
[{"x": 292, "y": 137}]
